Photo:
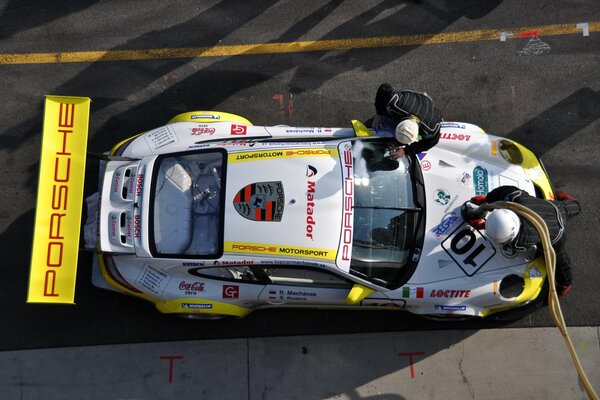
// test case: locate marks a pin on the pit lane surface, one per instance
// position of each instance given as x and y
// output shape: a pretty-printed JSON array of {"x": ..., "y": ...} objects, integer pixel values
[{"x": 539, "y": 90}]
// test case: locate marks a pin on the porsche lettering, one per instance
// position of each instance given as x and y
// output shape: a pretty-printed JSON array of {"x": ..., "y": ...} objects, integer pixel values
[
  {"x": 307, "y": 152},
  {"x": 262, "y": 249},
  {"x": 348, "y": 203},
  {"x": 62, "y": 173}
]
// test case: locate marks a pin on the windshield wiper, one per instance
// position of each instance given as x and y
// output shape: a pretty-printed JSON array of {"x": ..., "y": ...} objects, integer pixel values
[{"x": 415, "y": 209}]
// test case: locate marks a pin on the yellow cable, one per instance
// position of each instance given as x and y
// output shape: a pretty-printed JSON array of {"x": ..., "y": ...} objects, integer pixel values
[{"x": 553, "y": 302}]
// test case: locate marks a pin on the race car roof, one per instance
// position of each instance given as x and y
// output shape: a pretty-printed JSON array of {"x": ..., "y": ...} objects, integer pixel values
[{"x": 284, "y": 202}]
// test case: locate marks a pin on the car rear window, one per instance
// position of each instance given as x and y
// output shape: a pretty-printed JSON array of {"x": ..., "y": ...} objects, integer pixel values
[{"x": 187, "y": 204}]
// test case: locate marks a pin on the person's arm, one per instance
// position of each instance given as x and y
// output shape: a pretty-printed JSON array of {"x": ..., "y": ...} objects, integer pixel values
[
  {"x": 423, "y": 145},
  {"x": 500, "y": 193},
  {"x": 382, "y": 98}
]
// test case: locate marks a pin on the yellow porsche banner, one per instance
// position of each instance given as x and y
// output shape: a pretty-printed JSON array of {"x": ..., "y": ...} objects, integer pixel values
[{"x": 59, "y": 201}]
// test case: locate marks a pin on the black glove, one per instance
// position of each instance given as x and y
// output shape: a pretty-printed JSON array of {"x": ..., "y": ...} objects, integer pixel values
[{"x": 471, "y": 211}]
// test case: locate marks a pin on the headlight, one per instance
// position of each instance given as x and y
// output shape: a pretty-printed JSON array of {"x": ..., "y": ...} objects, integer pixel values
[
  {"x": 510, "y": 152},
  {"x": 511, "y": 286}
]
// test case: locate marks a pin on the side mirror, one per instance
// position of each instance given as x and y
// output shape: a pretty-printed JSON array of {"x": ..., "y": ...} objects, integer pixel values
[
  {"x": 358, "y": 293},
  {"x": 360, "y": 129}
]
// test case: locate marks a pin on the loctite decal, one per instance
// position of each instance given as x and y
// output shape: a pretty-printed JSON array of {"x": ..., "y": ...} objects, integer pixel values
[{"x": 450, "y": 293}]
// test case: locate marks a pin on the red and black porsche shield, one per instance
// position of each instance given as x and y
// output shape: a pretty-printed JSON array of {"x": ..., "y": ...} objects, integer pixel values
[{"x": 260, "y": 201}]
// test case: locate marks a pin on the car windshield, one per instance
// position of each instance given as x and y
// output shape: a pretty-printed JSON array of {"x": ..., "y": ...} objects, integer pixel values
[
  {"x": 385, "y": 214},
  {"x": 186, "y": 206}
]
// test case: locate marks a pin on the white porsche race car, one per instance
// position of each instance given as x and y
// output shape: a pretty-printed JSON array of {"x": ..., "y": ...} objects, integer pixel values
[{"x": 211, "y": 217}]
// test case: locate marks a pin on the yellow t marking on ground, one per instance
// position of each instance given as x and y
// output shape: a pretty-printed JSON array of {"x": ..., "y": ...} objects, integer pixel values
[{"x": 291, "y": 47}]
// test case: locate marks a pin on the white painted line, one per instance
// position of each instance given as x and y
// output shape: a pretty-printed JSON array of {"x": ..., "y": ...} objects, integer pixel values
[
  {"x": 504, "y": 35},
  {"x": 585, "y": 27}
]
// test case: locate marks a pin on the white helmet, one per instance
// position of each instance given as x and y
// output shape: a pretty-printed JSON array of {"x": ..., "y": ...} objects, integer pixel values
[
  {"x": 407, "y": 131},
  {"x": 502, "y": 225}
]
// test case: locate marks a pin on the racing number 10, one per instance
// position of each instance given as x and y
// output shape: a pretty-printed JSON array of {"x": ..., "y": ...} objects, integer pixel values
[
  {"x": 463, "y": 248},
  {"x": 470, "y": 256}
]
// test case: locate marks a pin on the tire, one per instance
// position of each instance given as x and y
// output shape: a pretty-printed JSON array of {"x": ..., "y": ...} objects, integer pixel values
[{"x": 449, "y": 317}]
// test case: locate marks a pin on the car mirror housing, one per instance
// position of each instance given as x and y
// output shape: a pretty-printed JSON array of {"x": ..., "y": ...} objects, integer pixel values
[{"x": 358, "y": 293}]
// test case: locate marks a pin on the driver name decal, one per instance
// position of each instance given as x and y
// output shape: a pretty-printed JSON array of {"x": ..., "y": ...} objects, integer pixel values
[{"x": 261, "y": 201}]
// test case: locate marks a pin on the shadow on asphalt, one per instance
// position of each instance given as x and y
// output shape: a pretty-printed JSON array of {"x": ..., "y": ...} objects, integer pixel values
[{"x": 102, "y": 317}]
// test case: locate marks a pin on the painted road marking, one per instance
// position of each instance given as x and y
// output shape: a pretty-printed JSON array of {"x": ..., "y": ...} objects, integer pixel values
[
  {"x": 297, "y": 47},
  {"x": 584, "y": 26}
]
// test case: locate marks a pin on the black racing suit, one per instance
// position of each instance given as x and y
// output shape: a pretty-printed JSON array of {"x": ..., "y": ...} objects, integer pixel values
[
  {"x": 554, "y": 213},
  {"x": 400, "y": 105}
]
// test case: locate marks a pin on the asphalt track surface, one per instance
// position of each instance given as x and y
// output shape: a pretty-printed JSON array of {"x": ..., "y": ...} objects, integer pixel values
[{"x": 539, "y": 87}]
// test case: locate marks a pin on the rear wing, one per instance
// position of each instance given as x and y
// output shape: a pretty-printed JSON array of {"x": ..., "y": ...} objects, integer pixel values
[{"x": 60, "y": 200}]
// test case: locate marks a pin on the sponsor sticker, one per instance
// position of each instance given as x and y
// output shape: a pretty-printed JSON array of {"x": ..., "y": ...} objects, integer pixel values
[
  {"x": 277, "y": 154},
  {"x": 480, "y": 181},
  {"x": 425, "y": 165},
  {"x": 238, "y": 129},
  {"x": 451, "y": 125},
  {"x": 534, "y": 273},
  {"x": 59, "y": 202},
  {"x": 447, "y": 223},
  {"x": 311, "y": 172},
  {"x": 205, "y": 116},
  {"x": 202, "y": 131},
  {"x": 441, "y": 197},
  {"x": 197, "y": 306},
  {"x": 455, "y": 136},
  {"x": 464, "y": 178},
  {"x": 231, "y": 291},
  {"x": 191, "y": 288},
  {"x": 508, "y": 251},
  {"x": 450, "y": 308}
]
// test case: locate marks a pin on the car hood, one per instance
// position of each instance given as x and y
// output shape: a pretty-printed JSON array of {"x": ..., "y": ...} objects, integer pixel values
[{"x": 450, "y": 179}]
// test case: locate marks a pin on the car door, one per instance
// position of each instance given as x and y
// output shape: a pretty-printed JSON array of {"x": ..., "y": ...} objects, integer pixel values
[{"x": 297, "y": 286}]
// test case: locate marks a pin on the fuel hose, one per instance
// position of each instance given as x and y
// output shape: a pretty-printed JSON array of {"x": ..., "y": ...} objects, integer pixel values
[{"x": 553, "y": 302}]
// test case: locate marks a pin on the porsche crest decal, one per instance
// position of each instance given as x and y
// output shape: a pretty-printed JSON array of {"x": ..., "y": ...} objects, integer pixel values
[{"x": 260, "y": 201}]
